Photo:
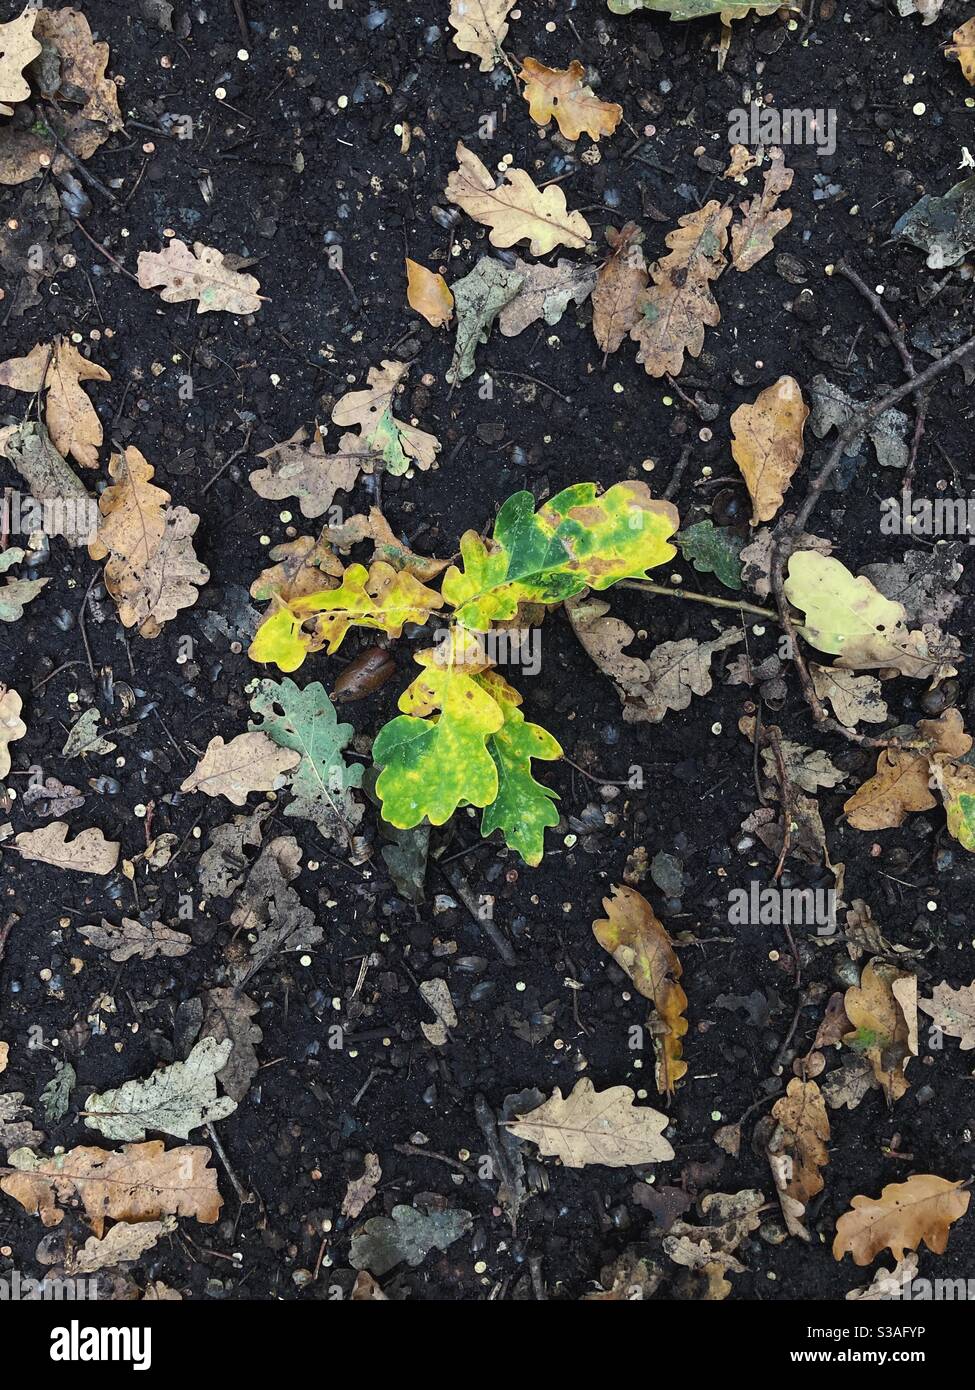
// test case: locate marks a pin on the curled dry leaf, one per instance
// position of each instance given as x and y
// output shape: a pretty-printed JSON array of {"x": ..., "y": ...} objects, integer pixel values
[
  {"x": 12, "y": 727},
  {"x": 386, "y": 545},
  {"x": 901, "y": 782},
  {"x": 198, "y": 274},
  {"x": 621, "y": 281},
  {"x": 134, "y": 938},
  {"x": 797, "y": 1151},
  {"x": 88, "y": 853},
  {"x": 429, "y": 294},
  {"x": 59, "y": 368},
  {"x": 141, "y": 1183},
  {"x": 151, "y": 570},
  {"x": 883, "y": 1012},
  {"x": 561, "y": 92},
  {"x": 761, "y": 220},
  {"x": 361, "y": 1191},
  {"x": 888, "y": 1283},
  {"x": 590, "y": 1126},
  {"x": 481, "y": 27},
  {"x": 767, "y": 444},
  {"x": 676, "y": 307},
  {"x": 639, "y": 944},
  {"x": 248, "y": 763},
  {"x": 906, "y": 1213},
  {"x": 517, "y": 210}
]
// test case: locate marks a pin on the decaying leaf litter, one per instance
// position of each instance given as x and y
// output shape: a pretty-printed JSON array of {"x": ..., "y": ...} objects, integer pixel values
[{"x": 376, "y": 399}]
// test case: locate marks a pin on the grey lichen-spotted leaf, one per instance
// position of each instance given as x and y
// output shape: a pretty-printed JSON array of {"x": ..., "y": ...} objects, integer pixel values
[
  {"x": 70, "y": 511},
  {"x": 223, "y": 865},
  {"x": 15, "y": 594},
  {"x": 831, "y": 406},
  {"x": 84, "y": 738},
  {"x": 228, "y": 1015},
  {"x": 57, "y": 1092},
  {"x": 943, "y": 228},
  {"x": 175, "y": 1100},
  {"x": 408, "y": 1235},
  {"x": 134, "y": 938},
  {"x": 16, "y": 1129},
  {"x": 478, "y": 299}
]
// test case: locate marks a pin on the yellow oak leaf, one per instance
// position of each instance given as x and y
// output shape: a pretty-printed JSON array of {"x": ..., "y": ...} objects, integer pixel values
[
  {"x": 797, "y": 1151},
  {"x": 561, "y": 92},
  {"x": 429, "y": 294},
  {"x": 883, "y": 1012},
  {"x": 767, "y": 444}
]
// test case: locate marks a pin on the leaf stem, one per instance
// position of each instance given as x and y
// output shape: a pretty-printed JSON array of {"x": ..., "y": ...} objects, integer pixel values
[{"x": 646, "y": 587}]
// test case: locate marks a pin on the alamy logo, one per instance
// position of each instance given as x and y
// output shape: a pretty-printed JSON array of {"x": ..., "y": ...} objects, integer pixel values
[
  {"x": 14, "y": 1288},
  {"x": 767, "y": 125},
  {"x": 908, "y": 515},
  {"x": 22, "y": 515},
  {"x": 776, "y": 907}
]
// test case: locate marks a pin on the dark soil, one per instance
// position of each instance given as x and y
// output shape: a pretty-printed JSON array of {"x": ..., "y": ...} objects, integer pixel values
[{"x": 313, "y": 1113}]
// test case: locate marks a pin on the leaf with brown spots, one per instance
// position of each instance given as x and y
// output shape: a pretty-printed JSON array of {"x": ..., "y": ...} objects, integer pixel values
[
  {"x": 761, "y": 221},
  {"x": 561, "y": 92},
  {"x": 675, "y": 309},
  {"x": 923, "y": 1208},
  {"x": 622, "y": 279}
]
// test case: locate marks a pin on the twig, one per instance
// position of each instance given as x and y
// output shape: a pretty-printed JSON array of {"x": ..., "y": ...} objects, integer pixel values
[
  {"x": 419, "y": 1152},
  {"x": 84, "y": 174},
  {"x": 678, "y": 473},
  {"x": 460, "y": 886},
  {"x": 107, "y": 254},
  {"x": 81, "y": 622},
  {"x": 244, "y": 27},
  {"x": 522, "y": 376},
  {"x": 244, "y": 1197},
  {"x": 5, "y": 931},
  {"x": 224, "y": 466},
  {"x": 645, "y": 587}
]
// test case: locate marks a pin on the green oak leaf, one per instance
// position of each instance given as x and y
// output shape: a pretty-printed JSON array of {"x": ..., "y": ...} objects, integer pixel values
[
  {"x": 956, "y": 783},
  {"x": 523, "y": 807},
  {"x": 385, "y": 441},
  {"x": 322, "y": 783},
  {"x": 432, "y": 766},
  {"x": 713, "y": 550},
  {"x": 576, "y": 540}
]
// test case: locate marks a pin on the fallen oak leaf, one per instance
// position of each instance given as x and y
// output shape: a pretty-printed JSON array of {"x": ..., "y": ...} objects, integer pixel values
[
  {"x": 227, "y": 1014},
  {"x": 517, "y": 210},
  {"x": 479, "y": 296},
  {"x": 299, "y": 467},
  {"x": 362, "y": 1190},
  {"x": 199, "y": 274},
  {"x": 175, "y": 1099},
  {"x": 561, "y": 92},
  {"x": 429, "y": 294},
  {"x": 590, "y": 1126},
  {"x": 134, "y": 938},
  {"x": 797, "y": 1151},
  {"x": 18, "y": 47},
  {"x": 248, "y": 763},
  {"x": 923, "y": 1208},
  {"x": 64, "y": 507},
  {"x": 126, "y": 1241},
  {"x": 12, "y": 727},
  {"x": 407, "y": 1235},
  {"x": 545, "y": 294},
  {"x": 141, "y": 1183},
  {"x": 639, "y": 944},
  {"x": 901, "y": 782},
  {"x": 59, "y": 368},
  {"x": 883, "y": 1012},
  {"x": 767, "y": 444},
  {"x": 761, "y": 221},
  {"x": 619, "y": 285},
  {"x": 88, "y": 853},
  {"x": 677, "y": 306},
  {"x": 396, "y": 444},
  {"x": 963, "y": 48},
  {"x": 953, "y": 1011},
  {"x": 481, "y": 27},
  {"x": 853, "y": 697},
  {"x": 386, "y": 545},
  {"x": 15, "y": 594}
]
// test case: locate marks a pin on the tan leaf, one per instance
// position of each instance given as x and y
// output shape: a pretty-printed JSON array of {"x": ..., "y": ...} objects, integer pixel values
[
  {"x": 898, "y": 787},
  {"x": 639, "y": 944},
  {"x": 622, "y": 279},
  {"x": 560, "y": 92},
  {"x": 18, "y": 47},
  {"x": 481, "y": 28},
  {"x": 545, "y": 294},
  {"x": 385, "y": 437},
  {"x": 229, "y": 1014},
  {"x": 953, "y": 1011},
  {"x": 303, "y": 566},
  {"x": 133, "y": 938},
  {"x": 883, "y": 1012},
  {"x": 741, "y": 161},
  {"x": 248, "y": 763},
  {"x": 963, "y": 49},
  {"x": 125, "y": 1241},
  {"x": 590, "y": 1126},
  {"x": 797, "y": 1151},
  {"x": 709, "y": 1250},
  {"x": 88, "y": 853},
  {"x": 767, "y": 444},
  {"x": 299, "y": 467},
  {"x": 517, "y": 210},
  {"x": 906, "y": 1213},
  {"x": 366, "y": 1289},
  {"x": 152, "y": 571},
  {"x": 852, "y": 697},
  {"x": 386, "y": 546},
  {"x": 71, "y": 420},
  {"x": 4, "y": 1054},
  {"x": 361, "y": 1191},
  {"x": 12, "y": 727},
  {"x": 141, "y": 1183},
  {"x": 761, "y": 220},
  {"x": 677, "y": 306},
  {"x": 198, "y": 274},
  {"x": 429, "y": 294}
]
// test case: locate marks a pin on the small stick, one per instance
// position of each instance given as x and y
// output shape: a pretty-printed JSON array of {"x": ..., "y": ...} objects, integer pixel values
[
  {"x": 645, "y": 587},
  {"x": 5, "y": 931},
  {"x": 107, "y": 254},
  {"x": 244, "y": 27},
  {"x": 223, "y": 467},
  {"x": 81, "y": 622},
  {"x": 678, "y": 473},
  {"x": 500, "y": 942},
  {"x": 244, "y": 1197},
  {"x": 85, "y": 175},
  {"x": 521, "y": 376}
]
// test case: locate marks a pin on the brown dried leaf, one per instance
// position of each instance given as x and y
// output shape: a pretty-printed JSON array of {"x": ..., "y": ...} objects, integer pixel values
[
  {"x": 198, "y": 274},
  {"x": 299, "y": 467},
  {"x": 429, "y": 294},
  {"x": 590, "y": 1126},
  {"x": 386, "y": 546},
  {"x": 639, "y": 944},
  {"x": 133, "y": 938},
  {"x": 59, "y": 368},
  {"x": 88, "y": 853},
  {"x": 545, "y": 293},
  {"x": 560, "y": 92},
  {"x": 141, "y": 1183},
  {"x": 18, "y": 47},
  {"x": 622, "y": 280},
  {"x": 963, "y": 48},
  {"x": 761, "y": 220},
  {"x": 126, "y": 1240},
  {"x": 12, "y": 727},
  {"x": 361, "y": 1191},
  {"x": 248, "y": 763},
  {"x": 852, "y": 697},
  {"x": 797, "y": 1151},
  {"x": 767, "y": 444},
  {"x": 228, "y": 1014},
  {"x": 677, "y": 306},
  {"x": 953, "y": 1011},
  {"x": 481, "y": 28},
  {"x": 922, "y": 1208},
  {"x": 386, "y": 438},
  {"x": 517, "y": 210},
  {"x": 883, "y": 1012}
]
